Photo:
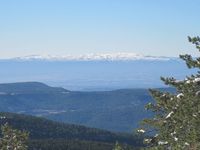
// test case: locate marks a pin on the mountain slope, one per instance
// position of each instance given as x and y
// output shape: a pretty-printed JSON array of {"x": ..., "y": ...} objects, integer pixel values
[
  {"x": 28, "y": 87},
  {"x": 43, "y": 130},
  {"x": 119, "y": 110}
]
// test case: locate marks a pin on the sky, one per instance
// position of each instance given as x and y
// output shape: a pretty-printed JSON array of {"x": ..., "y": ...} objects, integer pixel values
[{"x": 62, "y": 27}]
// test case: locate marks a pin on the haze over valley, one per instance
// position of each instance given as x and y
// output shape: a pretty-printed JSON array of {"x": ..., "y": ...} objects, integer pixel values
[{"x": 93, "y": 72}]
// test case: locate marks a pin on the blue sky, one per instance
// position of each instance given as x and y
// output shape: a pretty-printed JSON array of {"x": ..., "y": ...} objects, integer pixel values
[{"x": 60, "y": 27}]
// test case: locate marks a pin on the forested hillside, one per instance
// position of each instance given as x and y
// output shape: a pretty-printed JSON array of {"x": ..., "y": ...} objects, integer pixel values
[
  {"x": 47, "y": 135},
  {"x": 118, "y": 110}
]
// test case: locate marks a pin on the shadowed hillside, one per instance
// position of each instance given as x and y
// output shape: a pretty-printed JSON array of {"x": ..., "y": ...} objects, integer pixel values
[{"x": 49, "y": 134}]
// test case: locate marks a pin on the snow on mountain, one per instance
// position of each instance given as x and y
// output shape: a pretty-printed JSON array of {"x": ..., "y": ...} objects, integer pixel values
[{"x": 94, "y": 57}]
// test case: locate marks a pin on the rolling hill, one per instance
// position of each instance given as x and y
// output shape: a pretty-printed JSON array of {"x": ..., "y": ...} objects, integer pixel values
[{"x": 118, "y": 110}]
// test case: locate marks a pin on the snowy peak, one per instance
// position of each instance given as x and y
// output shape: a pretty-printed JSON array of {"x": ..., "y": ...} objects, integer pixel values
[{"x": 94, "y": 57}]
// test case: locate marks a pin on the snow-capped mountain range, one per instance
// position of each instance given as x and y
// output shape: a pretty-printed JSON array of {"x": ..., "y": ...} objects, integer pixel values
[
  {"x": 93, "y": 71},
  {"x": 94, "y": 57}
]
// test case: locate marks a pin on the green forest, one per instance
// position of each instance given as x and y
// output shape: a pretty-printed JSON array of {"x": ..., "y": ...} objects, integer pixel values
[
  {"x": 175, "y": 124},
  {"x": 46, "y": 135}
]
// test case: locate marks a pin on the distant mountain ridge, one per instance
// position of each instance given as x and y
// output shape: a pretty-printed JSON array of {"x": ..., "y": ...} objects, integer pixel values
[
  {"x": 107, "y": 73},
  {"x": 94, "y": 57},
  {"x": 28, "y": 87}
]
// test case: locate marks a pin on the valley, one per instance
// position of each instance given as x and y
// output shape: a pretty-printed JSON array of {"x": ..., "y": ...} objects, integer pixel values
[{"x": 118, "y": 110}]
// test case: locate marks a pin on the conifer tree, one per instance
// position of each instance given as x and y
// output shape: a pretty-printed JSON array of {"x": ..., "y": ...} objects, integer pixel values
[
  {"x": 176, "y": 121},
  {"x": 117, "y": 146},
  {"x": 13, "y": 139}
]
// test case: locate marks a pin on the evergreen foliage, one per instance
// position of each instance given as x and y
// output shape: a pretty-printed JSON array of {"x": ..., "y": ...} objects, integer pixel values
[
  {"x": 67, "y": 144},
  {"x": 118, "y": 146},
  {"x": 50, "y": 135},
  {"x": 13, "y": 139},
  {"x": 176, "y": 115}
]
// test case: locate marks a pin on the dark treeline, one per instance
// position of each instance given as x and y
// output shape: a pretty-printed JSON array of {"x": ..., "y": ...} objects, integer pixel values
[{"x": 47, "y": 135}]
